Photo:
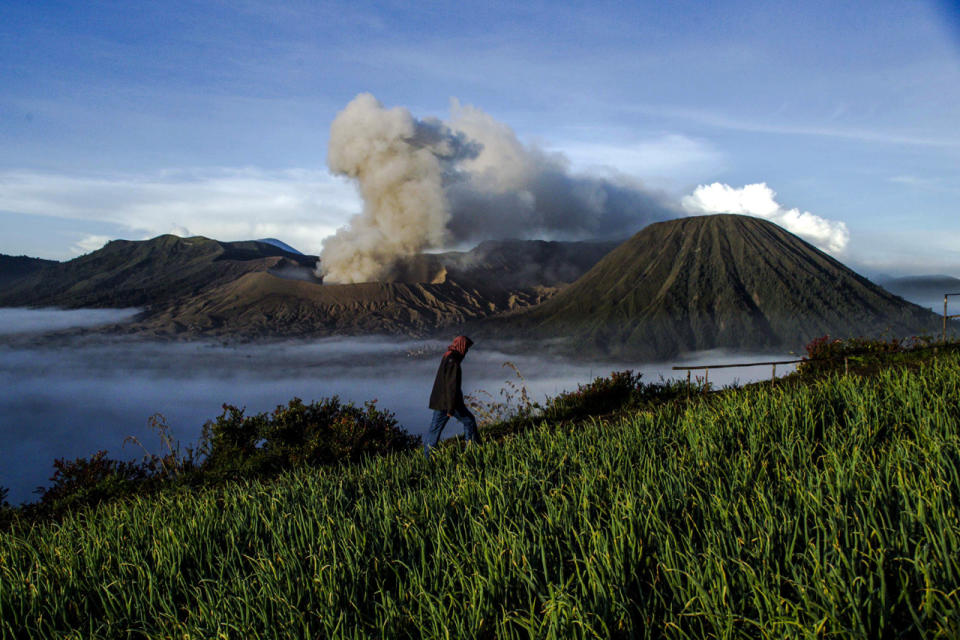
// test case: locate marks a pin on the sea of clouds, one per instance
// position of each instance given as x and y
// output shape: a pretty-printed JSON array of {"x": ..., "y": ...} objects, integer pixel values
[{"x": 73, "y": 396}]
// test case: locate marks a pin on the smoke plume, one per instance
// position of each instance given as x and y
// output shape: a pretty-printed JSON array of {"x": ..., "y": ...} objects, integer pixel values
[
  {"x": 759, "y": 200},
  {"x": 429, "y": 184}
]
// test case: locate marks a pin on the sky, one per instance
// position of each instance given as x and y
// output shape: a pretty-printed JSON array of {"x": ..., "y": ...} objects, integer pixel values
[{"x": 131, "y": 119}]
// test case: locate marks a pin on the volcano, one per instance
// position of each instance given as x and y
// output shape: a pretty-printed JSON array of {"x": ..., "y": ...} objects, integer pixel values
[
  {"x": 715, "y": 281},
  {"x": 199, "y": 287}
]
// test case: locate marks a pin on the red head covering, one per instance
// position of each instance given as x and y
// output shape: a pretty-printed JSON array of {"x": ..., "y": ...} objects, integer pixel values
[{"x": 459, "y": 346}]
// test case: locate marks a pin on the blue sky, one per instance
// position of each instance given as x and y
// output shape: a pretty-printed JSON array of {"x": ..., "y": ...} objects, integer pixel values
[{"x": 131, "y": 119}]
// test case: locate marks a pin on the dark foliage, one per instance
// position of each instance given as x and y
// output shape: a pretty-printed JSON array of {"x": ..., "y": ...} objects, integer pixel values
[
  {"x": 826, "y": 354},
  {"x": 233, "y": 446},
  {"x": 324, "y": 432},
  {"x": 621, "y": 391},
  {"x": 88, "y": 481},
  {"x": 602, "y": 395}
]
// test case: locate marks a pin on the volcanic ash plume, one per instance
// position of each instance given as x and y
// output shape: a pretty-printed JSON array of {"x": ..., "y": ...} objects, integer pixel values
[
  {"x": 398, "y": 162},
  {"x": 426, "y": 184}
]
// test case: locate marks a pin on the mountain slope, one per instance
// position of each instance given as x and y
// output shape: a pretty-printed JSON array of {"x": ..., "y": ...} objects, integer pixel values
[
  {"x": 429, "y": 292},
  {"x": 197, "y": 286},
  {"x": 281, "y": 244},
  {"x": 716, "y": 281},
  {"x": 259, "y": 305},
  {"x": 153, "y": 272},
  {"x": 13, "y": 268},
  {"x": 926, "y": 291}
]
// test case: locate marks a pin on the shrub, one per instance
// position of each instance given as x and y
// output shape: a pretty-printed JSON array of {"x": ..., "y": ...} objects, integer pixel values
[
  {"x": 321, "y": 432},
  {"x": 603, "y": 395},
  {"x": 89, "y": 481},
  {"x": 826, "y": 354}
]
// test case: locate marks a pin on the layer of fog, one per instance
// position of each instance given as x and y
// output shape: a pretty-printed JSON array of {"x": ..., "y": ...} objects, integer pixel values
[
  {"x": 15, "y": 321},
  {"x": 78, "y": 396}
]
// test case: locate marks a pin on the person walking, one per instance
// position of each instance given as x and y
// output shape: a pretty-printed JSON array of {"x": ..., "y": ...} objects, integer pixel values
[{"x": 446, "y": 399}]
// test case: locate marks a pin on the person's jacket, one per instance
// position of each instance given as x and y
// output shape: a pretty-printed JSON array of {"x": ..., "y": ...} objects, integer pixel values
[{"x": 447, "y": 395}]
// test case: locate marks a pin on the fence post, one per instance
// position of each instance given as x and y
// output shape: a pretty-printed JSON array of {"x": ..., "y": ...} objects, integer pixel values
[
  {"x": 846, "y": 366},
  {"x": 706, "y": 378},
  {"x": 773, "y": 374},
  {"x": 945, "y": 296}
]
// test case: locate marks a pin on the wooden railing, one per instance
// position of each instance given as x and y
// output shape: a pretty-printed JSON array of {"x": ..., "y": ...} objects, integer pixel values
[
  {"x": 773, "y": 374},
  {"x": 706, "y": 367}
]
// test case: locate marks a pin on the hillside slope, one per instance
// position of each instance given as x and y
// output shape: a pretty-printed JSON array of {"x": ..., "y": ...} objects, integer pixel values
[
  {"x": 147, "y": 273},
  {"x": 14, "y": 268},
  {"x": 926, "y": 291},
  {"x": 747, "y": 513},
  {"x": 429, "y": 292},
  {"x": 716, "y": 281},
  {"x": 201, "y": 287},
  {"x": 259, "y": 305}
]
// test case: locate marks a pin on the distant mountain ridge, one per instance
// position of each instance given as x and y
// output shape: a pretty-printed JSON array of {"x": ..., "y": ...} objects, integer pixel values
[
  {"x": 927, "y": 291},
  {"x": 683, "y": 285},
  {"x": 202, "y": 287},
  {"x": 13, "y": 268},
  {"x": 128, "y": 273},
  {"x": 715, "y": 281},
  {"x": 428, "y": 293},
  {"x": 280, "y": 244},
  {"x": 926, "y": 285}
]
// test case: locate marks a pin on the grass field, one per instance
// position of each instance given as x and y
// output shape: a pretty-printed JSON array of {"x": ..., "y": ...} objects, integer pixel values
[{"x": 820, "y": 510}]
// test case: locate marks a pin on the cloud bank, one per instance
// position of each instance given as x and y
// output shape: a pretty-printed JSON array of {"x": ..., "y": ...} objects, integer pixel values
[
  {"x": 427, "y": 184},
  {"x": 759, "y": 200},
  {"x": 302, "y": 206},
  {"x": 16, "y": 320}
]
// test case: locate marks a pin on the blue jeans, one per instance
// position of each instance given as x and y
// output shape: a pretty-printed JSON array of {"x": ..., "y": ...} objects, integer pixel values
[{"x": 440, "y": 421}]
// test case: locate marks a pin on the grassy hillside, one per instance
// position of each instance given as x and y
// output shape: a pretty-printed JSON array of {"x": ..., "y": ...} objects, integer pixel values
[{"x": 827, "y": 509}]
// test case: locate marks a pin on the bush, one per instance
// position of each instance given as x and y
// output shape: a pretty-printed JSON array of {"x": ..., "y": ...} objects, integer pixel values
[
  {"x": 232, "y": 446},
  {"x": 826, "y": 354},
  {"x": 318, "y": 433},
  {"x": 89, "y": 481},
  {"x": 603, "y": 395}
]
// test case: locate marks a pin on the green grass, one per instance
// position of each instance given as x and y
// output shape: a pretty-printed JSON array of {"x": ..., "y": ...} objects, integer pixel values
[{"x": 821, "y": 510}]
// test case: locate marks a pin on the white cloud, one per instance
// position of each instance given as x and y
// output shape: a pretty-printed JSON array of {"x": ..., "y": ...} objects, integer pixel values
[
  {"x": 90, "y": 243},
  {"x": 299, "y": 206},
  {"x": 758, "y": 200}
]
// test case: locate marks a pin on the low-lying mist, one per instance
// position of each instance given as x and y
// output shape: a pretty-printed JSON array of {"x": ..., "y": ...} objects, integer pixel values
[
  {"x": 15, "y": 321},
  {"x": 75, "y": 396}
]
